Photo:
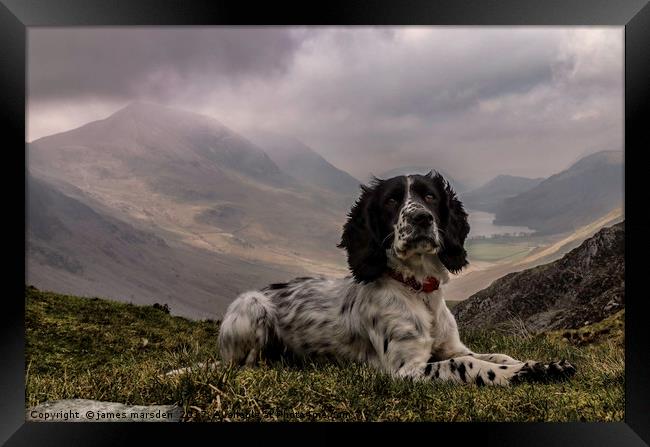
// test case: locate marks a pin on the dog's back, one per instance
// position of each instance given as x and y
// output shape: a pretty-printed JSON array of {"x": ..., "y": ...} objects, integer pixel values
[{"x": 306, "y": 316}]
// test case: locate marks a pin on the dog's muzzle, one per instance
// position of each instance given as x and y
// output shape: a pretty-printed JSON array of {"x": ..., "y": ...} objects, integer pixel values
[
  {"x": 422, "y": 228},
  {"x": 417, "y": 233}
]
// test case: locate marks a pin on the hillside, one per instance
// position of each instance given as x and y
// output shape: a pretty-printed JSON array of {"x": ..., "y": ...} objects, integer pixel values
[
  {"x": 590, "y": 188},
  {"x": 73, "y": 248},
  {"x": 179, "y": 171},
  {"x": 144, "y": 138},
  {"x": 492, "y": 194},
  {"x": 118, "y": 352},
  {"x": 586, "y": 285},
  {"x": 304, "y": 164},
  {"x": 230, "y": 217}
]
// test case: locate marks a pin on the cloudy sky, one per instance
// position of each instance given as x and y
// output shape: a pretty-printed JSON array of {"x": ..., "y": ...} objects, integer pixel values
[{"x": 473, "y": 101}]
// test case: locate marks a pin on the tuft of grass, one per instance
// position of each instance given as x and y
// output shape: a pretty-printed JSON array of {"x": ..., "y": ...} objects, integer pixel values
[
  {"x": 96, "y": 349},
  {"x": 611, "y": 329}
]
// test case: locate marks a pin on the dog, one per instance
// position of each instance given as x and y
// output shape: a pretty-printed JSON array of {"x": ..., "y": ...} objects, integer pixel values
[{"x": 403, "y": 237}]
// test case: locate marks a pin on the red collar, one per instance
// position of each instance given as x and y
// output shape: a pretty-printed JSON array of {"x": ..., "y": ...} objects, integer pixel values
[{"x": 429, "y": 285}]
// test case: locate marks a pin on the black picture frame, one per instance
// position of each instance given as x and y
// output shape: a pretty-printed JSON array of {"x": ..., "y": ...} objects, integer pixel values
[{"x": 17, "y": 15}]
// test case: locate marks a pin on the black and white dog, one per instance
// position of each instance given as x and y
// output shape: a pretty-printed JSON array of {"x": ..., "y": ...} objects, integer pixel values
[{"x": 403, "y": 237}]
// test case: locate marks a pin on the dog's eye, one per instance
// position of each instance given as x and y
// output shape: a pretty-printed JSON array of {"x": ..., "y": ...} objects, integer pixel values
[
  {"x": 429, "y": 198},
  {"x": 391, "y": 202}
]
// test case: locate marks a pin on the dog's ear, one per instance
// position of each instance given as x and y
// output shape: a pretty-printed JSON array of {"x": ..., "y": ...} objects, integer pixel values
[
  {"x": 455, "y": 229},
  {"x": 366, "y": 257}
]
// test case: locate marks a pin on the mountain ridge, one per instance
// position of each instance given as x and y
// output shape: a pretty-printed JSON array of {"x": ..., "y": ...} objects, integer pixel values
[
  {"x": 490, "y": 195},
  {"x": 589, "y": 188},
  {"x": 304, "y": 163}
]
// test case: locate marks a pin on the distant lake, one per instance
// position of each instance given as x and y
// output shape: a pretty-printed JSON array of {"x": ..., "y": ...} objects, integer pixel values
[{"x": 480, "y": 223}]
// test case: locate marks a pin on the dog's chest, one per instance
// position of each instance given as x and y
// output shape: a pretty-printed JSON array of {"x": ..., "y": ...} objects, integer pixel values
[
  {"x": 432, "y": 314},
  {"x": 421, "y": 309},
  {"x": 443, "y": 330}
]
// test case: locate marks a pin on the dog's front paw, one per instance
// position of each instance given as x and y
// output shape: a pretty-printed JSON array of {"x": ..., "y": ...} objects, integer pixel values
[
  {"x": 561, "y": 370},
  {"x": 539, "y": 372}
]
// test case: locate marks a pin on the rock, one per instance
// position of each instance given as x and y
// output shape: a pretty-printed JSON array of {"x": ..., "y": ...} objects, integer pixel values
[
  {"x": 85, "y": 410},
  {"x": 587, "y": 284}
]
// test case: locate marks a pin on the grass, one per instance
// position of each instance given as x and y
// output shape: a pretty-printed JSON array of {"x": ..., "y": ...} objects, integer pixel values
[
  {"x": 611, "y": 328},
  {"x": 104, "y": 350}
]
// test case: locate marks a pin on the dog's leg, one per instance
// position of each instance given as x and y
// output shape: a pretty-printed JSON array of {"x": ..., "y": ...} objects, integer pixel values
[
  {"x": 500, "y": 359},
  {"x": 409, "y": 357},
  {"x": 559, "y": 367},
  {"x": 454, "y": 348},
  {"x": 246, "y": 328},
  {"x": 468, "y": 369},
  {"x": 534, "y": 370}
]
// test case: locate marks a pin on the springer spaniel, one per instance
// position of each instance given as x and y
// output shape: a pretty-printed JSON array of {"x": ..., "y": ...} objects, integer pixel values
[{"x": 403, "y": 237}]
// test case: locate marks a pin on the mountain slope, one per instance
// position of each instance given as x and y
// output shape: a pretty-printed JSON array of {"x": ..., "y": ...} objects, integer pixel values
[
  {"x": 304, "y": 164},
  {"x": 584, "y": 286},
  {"x": 73, "y": 248},
  {"x": 587, "y": 190},
  {"x": 489, "y": 196},
  {"x": 191, "y": 177},
  {"x": 147, "y": 136}
]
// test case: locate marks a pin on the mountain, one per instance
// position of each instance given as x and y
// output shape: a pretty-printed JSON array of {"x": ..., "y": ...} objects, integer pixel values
[
  {"x": 584, "y": 286},
  {"x": 406, "y": 170},
  {"x": 192, "y": 177},
  {"x": 74, "y": 248},
  {"x": 589, "y": 189},
  {"x": 157, "y": 202},
  {"x": 304, "y": 164},
  {"x": 489, "y": 196},
  {"x": 165, "y": 146}
]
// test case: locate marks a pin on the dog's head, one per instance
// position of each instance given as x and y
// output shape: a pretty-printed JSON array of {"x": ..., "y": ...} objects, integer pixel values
[{"x": 403, "y": 217}]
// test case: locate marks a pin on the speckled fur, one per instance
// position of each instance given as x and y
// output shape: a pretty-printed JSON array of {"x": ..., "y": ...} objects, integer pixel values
[{"x": 370, "y": 317}]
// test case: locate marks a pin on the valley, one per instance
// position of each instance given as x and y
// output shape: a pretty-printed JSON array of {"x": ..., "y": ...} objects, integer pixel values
[{"x": 219, "y": 213}]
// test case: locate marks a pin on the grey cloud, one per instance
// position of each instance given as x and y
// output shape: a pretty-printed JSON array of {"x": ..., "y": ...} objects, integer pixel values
[
  {"x": 480, "y": 101},
  {"x": 149, "y": 62}
]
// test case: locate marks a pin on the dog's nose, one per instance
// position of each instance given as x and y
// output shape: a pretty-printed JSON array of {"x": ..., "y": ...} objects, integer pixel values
[{"x": 423, "y": 219}]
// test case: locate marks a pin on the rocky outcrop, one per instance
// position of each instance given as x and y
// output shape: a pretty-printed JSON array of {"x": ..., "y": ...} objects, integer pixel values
[{"x": 584, "y": 286}]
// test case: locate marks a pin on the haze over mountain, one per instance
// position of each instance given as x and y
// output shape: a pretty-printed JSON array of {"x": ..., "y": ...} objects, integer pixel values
[
  {"x": 587, "y": 190},
  {"x": 144, "y": 139},
  {"x": 458, "y": 186},
  {"x": 73, "y": 248},
  {"x": 304, "y": 164},
  {"x": 193, "y": 176},
  {"x": 492, "y": 194},
  {"x": 215, "y": 197}
]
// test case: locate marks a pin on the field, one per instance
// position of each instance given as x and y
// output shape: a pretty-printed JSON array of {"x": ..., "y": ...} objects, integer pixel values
[{"x": 109, "y": 351}]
